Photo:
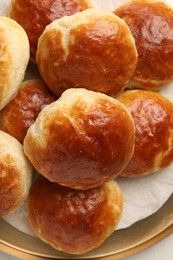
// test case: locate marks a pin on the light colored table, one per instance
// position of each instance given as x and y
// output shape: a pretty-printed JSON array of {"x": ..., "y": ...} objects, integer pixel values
[{"x": 160, "y": 251}]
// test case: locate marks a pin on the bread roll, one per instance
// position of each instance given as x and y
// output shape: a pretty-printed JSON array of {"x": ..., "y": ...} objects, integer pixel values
[
  {"x": 14, "y": 53},
  {"x": 21, "y": 112},
  {"x": 153, "y": 117},
  {"x": 151, "y": 24},
  {"x": 35, "y": 15},
  {"x": 81, "y": 140},
  {"x": 15, "y": 174},
  {"x": 91, "y": 49},
  {"x": 74, "y": 221}
]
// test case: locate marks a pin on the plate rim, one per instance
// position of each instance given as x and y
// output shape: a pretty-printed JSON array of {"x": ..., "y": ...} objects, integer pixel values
[
  {"x": 158, "y": 225},
  {"x": 136, "y": 249}
]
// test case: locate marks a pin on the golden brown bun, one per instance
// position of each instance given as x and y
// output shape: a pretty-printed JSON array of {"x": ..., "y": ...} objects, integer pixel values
[
  {"x": 15, "y": 174},
  {"x": 91, "y": 49},
  {"x": 151, "y": 24},
  {"x": 35, "y": 15},
  {"x": 21, "y": 112},
  {"x": 14, "y": 57},
  {"x": 81, "y": 140},
  {"x": 153, "y": 117},
  {"x": 74, "y": 221}
]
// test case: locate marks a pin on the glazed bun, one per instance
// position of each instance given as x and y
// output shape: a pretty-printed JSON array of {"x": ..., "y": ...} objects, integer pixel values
[
  {"x": 21, "y": 112},
  {"x": 74, "y": 221},
  {"x": 35, "y": 15},
  {"x": 153, "y": 117},
  {"x": 81, "y": 140},
  {"x": 91, "y": 49},
  {"x": 15, "y": 174},
  {"x": 14, "y": 53},
  {"x": 151, "y": 24}
]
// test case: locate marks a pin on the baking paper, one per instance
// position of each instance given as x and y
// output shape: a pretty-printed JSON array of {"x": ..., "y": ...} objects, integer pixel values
[{"x": 143, "y": 195}]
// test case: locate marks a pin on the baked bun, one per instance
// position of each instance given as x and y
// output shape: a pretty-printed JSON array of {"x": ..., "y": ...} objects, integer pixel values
[
  {"x": 91, "y": 49},
  {"x": 153, "y": 117},
  {"x": 14, "y": 53},
  {"x": 81, "y": 140},
  {"x": 35, "y": 15},
  {"x": 15, "y": 174},
  {"x": 21, "y": 112},
  {"x": 74, "y": 221},
  {"x": 151, "y": 24}
]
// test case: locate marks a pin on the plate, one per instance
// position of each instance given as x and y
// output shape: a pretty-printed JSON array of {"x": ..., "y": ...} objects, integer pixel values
[{"x": 121, "y": 243}]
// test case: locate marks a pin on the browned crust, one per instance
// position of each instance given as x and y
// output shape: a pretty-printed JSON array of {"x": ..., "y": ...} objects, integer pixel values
[
  {"x": 74, "y": 221},
  {"x": 35, "y": 15},
  {"x": 93, "y": 50},
  {"x": 81, "y": 145},
  {"x": 153, "y": 117},
  {"x": 21, "y": 113},
  {"x": 151, "y": 24}
]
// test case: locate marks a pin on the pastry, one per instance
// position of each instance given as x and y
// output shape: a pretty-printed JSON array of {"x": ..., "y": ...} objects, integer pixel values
[
  {"x": 74, "y": 221},
  {"x": 15, "y": 174},
  {"x": 153, "y": 117},
  {"x": 91, "y": 49},
  {"x": 21, "y": 112},
  {"x": 151, "y": 24},
  {"x": 14, "y": 57},
  {"x": 35, "y": 15},
  {"x": 82, "y": 140}
]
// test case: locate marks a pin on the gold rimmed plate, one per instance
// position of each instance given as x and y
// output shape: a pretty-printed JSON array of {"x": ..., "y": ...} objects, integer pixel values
[{"x": 120, "y": 244}]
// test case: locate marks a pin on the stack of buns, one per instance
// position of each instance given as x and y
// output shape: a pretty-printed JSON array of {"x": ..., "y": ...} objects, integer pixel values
[
  {"x": 81, "y": 141},
  {"x": 79, "y": 126}
]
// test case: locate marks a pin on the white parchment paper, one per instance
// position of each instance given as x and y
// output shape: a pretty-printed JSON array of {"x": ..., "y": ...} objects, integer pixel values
[{"x": 143, "y": 196}]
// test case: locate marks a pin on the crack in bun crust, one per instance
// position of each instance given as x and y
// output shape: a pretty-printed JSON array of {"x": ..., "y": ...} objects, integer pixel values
[
  {"x": 35, "y": 15},
  {"x": 91, "y": 49}
]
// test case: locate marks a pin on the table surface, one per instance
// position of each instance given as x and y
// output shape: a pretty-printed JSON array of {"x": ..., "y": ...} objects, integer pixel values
[{"x": 160, "y": 251}]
